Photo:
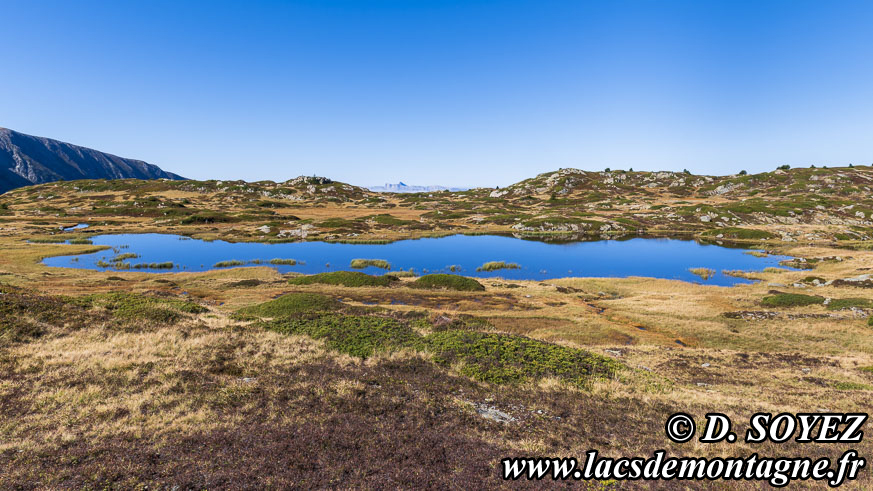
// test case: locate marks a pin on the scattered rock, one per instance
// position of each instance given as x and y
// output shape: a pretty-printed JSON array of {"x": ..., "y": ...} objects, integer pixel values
[{"x": 494, "y": 414}]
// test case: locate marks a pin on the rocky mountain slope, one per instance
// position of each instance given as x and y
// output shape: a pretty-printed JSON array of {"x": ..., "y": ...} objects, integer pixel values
[
  {"x": 26, "y": 160},
  {"x": 810, "y": 205}
]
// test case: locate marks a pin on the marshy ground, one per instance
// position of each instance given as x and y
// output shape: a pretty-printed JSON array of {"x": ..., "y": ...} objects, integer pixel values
[{"x": 242, "y": 377}]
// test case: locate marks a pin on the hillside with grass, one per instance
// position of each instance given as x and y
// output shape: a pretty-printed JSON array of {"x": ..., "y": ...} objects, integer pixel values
[{"x": 817, "y": 205}]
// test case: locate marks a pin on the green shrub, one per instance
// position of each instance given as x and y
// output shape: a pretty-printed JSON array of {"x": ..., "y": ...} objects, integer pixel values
[
  {"x": 848, "y": 303},
  {"x": 502, "y": 358},
  {"x": 81, "y": 241},
  {"x": 356, "y": 335},
  {"x": 791, "y": 300},
  {"x": 364, "y": 263},
  {"x": 851, "y": 386},
  {"x": 497, "y": 265},
  {"x": 449, "y": 282},
  {"x": 344, "y": 278},
  {"x": 292, "y": 303},
  {"x": 135, "y": 307}
]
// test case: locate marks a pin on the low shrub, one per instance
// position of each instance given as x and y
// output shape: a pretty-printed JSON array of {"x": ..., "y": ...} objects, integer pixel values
[
  {"x": 344, "y": 278},
  {"x": 355, "y": 335},
  {"x": 851, "y": 386},
  {"x": 292, "y": 303},
  {"x": 502, "y": 358},
  {"x": 848, "y": 303},
  {"x": 131, "y": 307},
  {"x": 791, "y": 300},
  {"x": 449, "y": 282}
]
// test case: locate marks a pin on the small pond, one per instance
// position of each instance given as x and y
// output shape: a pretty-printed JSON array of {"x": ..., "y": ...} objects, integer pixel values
[
  {"x": 78, "y": 226},
  {"x": 460, "y": 254}
]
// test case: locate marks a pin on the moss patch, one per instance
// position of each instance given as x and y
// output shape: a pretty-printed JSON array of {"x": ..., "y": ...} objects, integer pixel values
[{"x": 497, "y": 265}]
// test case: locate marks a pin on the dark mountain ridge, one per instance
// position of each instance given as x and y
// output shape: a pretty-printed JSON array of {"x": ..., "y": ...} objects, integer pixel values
[{"x": 26, "y": 160}]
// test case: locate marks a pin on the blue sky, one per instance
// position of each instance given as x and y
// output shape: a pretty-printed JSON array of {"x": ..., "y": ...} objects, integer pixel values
[{"x": 444, "y": 92}]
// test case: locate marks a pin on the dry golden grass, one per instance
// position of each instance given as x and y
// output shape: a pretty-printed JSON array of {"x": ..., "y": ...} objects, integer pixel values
[{"x": 683, "y": 353}]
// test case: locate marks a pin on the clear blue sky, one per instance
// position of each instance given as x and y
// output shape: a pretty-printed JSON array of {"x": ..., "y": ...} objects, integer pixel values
[{"x": 444, "y": 92}]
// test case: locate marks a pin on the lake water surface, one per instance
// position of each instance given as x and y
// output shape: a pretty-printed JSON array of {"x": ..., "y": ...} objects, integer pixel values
[{"x": 658, "y": 258}]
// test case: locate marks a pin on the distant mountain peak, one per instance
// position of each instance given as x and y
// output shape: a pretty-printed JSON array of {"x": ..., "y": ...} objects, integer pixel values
[
  {"x": 27, "y": 160},
  {"x": 402, "y": 187}
]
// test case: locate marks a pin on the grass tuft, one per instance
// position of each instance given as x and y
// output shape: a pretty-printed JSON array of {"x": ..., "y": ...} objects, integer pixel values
[
  {"x": 365, "y": 263},
  {"x": 228, "y": 264},
  {"x": 703, "y": 273},
  {"x": 497, "y": 265},
  {"x": 285, "y": 262}
]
